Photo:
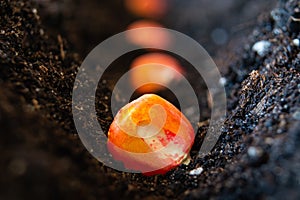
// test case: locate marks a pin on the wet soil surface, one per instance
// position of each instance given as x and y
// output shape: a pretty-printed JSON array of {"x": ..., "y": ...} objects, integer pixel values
[{"x": 256, "y": 157}]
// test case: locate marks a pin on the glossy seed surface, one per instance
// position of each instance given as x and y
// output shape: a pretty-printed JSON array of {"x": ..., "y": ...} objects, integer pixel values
[{"x": 150, "y": 135}]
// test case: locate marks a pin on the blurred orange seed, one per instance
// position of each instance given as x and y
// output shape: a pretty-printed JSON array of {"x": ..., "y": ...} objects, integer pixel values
[
  {"x": 147, "y": 8},
  {"x": 158, "y": 68},
  {"x": 150, "y": 135},
  {"x": 148, "y": 37}
]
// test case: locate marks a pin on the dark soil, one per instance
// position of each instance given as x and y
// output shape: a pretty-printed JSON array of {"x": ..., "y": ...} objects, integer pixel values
[{"x": 42, "y": 157}]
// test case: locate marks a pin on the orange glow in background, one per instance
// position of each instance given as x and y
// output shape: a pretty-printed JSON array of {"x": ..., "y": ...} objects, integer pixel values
[{"x": 159, "y": 68}]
